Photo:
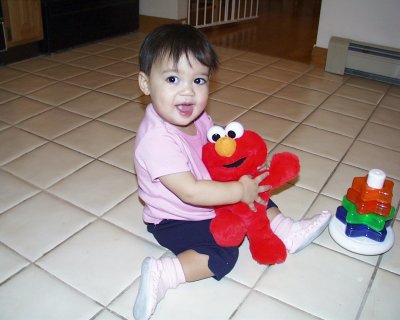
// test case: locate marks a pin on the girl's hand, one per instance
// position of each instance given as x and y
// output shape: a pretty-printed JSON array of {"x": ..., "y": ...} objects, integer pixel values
[{"x": 252, "y": 190}]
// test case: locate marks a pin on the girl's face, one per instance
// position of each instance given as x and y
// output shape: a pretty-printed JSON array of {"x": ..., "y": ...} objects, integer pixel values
[{"x": 179, "y": 93}]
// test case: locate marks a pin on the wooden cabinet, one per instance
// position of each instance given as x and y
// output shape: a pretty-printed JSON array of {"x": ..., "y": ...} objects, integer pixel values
[
  {"x": 23, "y": 21},
  {"x": 68, "y": 23}
]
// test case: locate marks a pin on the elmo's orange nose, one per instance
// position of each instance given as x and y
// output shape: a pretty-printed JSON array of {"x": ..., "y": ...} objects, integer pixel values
[{"x": 225, "y": 147}]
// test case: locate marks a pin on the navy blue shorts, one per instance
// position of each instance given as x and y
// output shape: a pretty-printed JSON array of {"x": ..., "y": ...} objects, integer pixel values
[{"x": 179, "y": 236}]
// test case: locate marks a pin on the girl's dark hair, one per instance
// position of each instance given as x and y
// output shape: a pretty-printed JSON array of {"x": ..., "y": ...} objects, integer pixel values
[{"x": 174, "y": 40}]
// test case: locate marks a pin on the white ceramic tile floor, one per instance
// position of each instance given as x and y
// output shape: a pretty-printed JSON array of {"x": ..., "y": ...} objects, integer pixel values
[{"x": 71, "y": 236}]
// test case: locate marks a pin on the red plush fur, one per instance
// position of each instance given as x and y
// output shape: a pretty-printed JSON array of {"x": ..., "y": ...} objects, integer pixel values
[{"x": 233, "y": 222}]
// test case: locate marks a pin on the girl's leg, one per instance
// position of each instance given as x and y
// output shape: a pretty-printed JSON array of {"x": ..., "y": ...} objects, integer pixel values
[
  {"x": 159, "y": 275},
  {"x": 196, "y": 255},
  {"x": 272, "y": 212},
  {"x": 195, "y": 265}
]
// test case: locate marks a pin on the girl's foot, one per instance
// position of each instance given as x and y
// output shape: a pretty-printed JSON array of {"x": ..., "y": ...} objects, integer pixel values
[
  {"x": 296, "y": 235},
  {"x": 158, "y": 275}
]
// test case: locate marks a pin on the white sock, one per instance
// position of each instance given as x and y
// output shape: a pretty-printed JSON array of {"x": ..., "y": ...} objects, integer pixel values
[
  {"x": 281, "y": 225},
  {"x": 172, "y": 273}
]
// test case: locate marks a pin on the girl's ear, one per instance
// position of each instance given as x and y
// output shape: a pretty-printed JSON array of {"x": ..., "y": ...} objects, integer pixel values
[{"x": 144, "y": 83}]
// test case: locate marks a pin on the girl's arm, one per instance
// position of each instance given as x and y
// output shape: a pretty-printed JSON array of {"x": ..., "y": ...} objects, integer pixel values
[{"x": 212, "y": 193}]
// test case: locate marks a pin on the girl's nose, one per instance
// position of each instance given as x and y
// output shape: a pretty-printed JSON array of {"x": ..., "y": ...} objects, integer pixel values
[{"x": 187, "y": 89}]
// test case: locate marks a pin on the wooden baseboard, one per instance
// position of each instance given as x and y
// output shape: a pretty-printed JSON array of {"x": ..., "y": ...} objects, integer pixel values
[
  {"x": 148, "y": 23},
  {"x": 318, "y": 56}
]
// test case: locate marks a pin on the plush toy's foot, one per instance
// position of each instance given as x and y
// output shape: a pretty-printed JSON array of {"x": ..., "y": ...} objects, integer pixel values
[
  {"x": 228, "y": 230},
  {"x": 296, "y": 235},
  {"x": 268, "y": 251}
]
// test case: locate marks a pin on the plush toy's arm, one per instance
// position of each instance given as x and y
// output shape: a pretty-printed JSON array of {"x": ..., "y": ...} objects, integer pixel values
[{"x": 283, "y": 167}]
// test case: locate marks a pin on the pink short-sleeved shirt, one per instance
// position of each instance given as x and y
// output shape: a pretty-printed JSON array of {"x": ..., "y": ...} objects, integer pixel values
[{"x": 162, "y": 149}]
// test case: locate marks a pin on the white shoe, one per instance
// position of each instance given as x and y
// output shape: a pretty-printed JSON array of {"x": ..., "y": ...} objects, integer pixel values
[
  {"x": 158, "y": 275},
  {"x": 303, "y": 232},
  {"x": 151, "y": 290}
]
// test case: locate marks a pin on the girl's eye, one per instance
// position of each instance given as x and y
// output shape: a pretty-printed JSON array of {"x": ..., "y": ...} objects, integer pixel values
[
  {"x": 172, "y": 79},
  {"x": 200, "y": 81}
]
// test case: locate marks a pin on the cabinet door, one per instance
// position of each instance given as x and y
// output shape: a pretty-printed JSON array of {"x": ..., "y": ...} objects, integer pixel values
[{"x": 23, "y": 20}]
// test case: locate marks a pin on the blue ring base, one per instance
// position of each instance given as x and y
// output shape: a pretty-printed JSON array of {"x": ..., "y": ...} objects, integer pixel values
[{"x": 360, "y": 245}]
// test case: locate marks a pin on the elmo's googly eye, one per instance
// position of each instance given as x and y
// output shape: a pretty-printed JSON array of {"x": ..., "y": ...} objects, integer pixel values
[
  {"x": 234, "y": 130},
  {"x": 214, "y": 133}
]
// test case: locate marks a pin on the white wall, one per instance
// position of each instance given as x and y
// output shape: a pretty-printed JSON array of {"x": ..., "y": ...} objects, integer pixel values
[
  {"x": 373, "y": 21},
  {"x": 169, "y": 9}
]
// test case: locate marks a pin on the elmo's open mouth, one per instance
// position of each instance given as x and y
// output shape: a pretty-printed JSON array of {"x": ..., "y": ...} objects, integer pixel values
[{"x": 235, "y": 164}]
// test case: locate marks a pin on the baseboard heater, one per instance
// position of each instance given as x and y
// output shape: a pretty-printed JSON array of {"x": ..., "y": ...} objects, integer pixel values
[{"x": 346, "y": 56}]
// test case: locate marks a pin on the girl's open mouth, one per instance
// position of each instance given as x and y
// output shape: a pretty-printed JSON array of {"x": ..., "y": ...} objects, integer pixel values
[{"x": 185, "y": 109}]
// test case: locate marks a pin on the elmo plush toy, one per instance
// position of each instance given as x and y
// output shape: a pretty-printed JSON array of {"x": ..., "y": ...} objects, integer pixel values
[{"x": 231, "y": 153}]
